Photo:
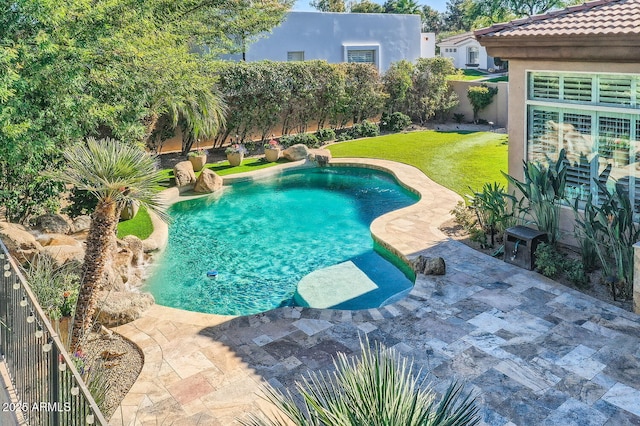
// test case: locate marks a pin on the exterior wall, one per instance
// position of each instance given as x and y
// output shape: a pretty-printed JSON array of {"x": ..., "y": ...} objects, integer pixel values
[
  {"x": 328, "y": 35},
  {"x": 427, "y": 45},
  {"x": 496, "y": 112}
]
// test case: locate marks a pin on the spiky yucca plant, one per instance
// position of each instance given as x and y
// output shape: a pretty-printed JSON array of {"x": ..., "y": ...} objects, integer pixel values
[
  {"x": 376, "y": 389},
  {"x": 116, "y": 174}
]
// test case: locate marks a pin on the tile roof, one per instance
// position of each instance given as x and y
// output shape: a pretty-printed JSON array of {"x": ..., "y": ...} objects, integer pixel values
[
  {"x": 601, "y": 17},
  {"x": 457, "y": 39}
]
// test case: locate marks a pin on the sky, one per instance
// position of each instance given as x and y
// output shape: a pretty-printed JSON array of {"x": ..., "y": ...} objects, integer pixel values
[{"x": 439, "y": 5}]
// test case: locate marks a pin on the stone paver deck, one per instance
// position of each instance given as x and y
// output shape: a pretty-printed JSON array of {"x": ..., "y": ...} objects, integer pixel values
[{"x": 533, "y": 351}]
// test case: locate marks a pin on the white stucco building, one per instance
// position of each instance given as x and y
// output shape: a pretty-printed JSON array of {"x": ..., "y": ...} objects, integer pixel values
[
  {"x": 378, "y": 38},
  {"x": 466, "y": 52}
]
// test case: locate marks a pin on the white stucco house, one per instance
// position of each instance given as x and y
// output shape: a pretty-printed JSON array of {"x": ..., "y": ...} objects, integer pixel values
[
  {"x": 377, "y": 38},
  {"x": 466, "y": 52}
]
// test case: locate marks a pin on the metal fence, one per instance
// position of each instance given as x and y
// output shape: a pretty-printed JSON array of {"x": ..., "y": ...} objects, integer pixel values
[{"x": 48, "y": 388}]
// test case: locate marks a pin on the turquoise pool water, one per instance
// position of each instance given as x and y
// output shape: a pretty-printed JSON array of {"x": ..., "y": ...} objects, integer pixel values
[{"x": 263, "y": 237}]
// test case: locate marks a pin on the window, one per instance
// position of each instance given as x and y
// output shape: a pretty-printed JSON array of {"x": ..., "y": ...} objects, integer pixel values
[
  {"x": 596, "y": 119},
  {"x": 295, "y": 56},
  {"x": 361, "y": 56},
  {"x": 473, "y": 56}
]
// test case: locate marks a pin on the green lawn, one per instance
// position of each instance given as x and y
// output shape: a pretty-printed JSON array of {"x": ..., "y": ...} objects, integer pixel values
[
  {"x": 140, "y": 225},
  {"x": 456, "y": 160},
  {"x": 468, "y": 75},
  {"x": 498, "y": 79}
]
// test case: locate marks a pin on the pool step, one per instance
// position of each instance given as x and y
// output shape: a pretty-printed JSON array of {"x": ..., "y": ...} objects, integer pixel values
[
  {"x": 347, "y": 286},
  {"x": 331, "y": 286}
]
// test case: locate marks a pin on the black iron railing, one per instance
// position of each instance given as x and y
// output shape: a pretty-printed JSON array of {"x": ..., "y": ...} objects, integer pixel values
[{"x": 48, "y": 388}]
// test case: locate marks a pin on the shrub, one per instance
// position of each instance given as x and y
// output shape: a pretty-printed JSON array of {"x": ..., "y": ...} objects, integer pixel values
[
  {"x": 366, "y": 129},
  {"x": 55, "y": 287},
  {"x": 549, "y": 262},
  {"x": 610, "y": 228},
  {"x": 395, "y": 122},
  {"x": 494, "y": 209},
  {"x": 307, "y": 139},
  {"x": 574, "y": 269},
  {"x": 480, "y": 97},
  {"x": 462, "y": 216},
  {"x": 458, "y": 117},
  {"x": 324, "y": 135},
  {"x": 344, "y": 136}
]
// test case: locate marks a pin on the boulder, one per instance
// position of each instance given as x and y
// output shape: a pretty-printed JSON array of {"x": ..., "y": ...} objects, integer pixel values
[
  {"x": 184, "y": 174},
  {"x": 208, "y": 181},
  {"x": 21, "y": 244},
  {"x": 135, "y": 245},
  {"x": 296, "y": 152},
  {"x": 62, "y": 254},
  {"x": 320, "y": 156},
  {"x": 58, "y": 240},
  {"x": 53, "y": 224},
  {"x": 121, "y": 307},
  {"x": 429, "y": 265},
  {"x": 81, "y": 224}
]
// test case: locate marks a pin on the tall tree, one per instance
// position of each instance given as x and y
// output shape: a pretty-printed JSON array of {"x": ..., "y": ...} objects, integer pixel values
[
  {"x": 408, "y": 7},
  {"x": 366, "y": 6},
  {"x": 456, "y": 17},
  {"x": 432, "y": 20},
  {"x": 534, "y": 7},
  {"x": 116, "y": 174},
  {"x": 328, "y": 5}
]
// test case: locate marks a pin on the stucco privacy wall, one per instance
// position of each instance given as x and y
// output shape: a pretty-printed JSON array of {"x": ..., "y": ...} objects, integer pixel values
[
  {"x": 496, "y": 112},
  {"x": 325, "y": 35}
]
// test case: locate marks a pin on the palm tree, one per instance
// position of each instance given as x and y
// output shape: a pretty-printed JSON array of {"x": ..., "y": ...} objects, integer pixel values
[
  {"x": 378, "y": 389},
  {"x": 198, "y": 115},
  {"x": 116, "y": 174}
]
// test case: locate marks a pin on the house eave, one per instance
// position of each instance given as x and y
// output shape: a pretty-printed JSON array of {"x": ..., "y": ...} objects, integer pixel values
[{"x": 614, "y": 47}]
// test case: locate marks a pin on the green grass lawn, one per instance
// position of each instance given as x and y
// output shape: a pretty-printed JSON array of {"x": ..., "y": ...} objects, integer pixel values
[
  {"x": 498, "y": 79},
  {"x": 468, "y": 75},
  {"x": 455, "y": 160},
  {"x": 140, "y": 225}
]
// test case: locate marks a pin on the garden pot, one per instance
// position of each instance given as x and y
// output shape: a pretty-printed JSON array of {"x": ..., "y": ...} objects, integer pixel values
[
  {"x": 129, "y": 211},
  {"x": 198, "y": 162},
  {"x": 271, "y": 154},
  {"x": 235, "y": 158}
]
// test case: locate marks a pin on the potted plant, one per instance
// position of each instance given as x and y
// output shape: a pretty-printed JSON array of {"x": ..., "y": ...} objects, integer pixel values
[
  {"x": 272, "y": 151},
  {"x": 235, "y": 154},
  {"x": 198, "y": 159}
]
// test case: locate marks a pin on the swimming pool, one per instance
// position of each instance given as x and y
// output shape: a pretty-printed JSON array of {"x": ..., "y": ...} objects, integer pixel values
[{"x": 264, "y": 237}]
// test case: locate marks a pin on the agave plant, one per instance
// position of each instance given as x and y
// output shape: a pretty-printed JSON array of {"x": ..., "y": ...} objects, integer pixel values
[{"x": 376, "y": 389}]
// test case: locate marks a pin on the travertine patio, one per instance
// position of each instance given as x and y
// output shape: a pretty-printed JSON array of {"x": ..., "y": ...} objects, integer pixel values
[{"x": 533, "y": 351}]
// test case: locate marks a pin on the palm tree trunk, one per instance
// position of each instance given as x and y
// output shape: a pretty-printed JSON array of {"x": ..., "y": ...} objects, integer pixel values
[{"x": 100, "y": 241}]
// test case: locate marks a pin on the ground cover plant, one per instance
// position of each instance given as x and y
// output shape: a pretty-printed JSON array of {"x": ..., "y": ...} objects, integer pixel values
[{"x": 455, "y": 160}]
